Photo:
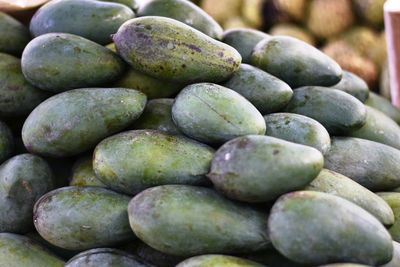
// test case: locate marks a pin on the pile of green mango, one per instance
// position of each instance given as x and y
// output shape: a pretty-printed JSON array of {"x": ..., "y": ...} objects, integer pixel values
[{"x": 139, "y": 133}]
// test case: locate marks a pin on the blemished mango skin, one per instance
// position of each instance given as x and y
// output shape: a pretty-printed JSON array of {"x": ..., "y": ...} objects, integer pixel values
[
  {"x": 187, "y": 220},
  {"x": 173, "y": 51},
  {"x": 58, "y": 62},
  {"x": 75, "y": 121},
  {"x": 303, "y": 221}
]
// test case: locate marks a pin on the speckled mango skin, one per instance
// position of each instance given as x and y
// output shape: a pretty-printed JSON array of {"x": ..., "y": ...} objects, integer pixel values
[
  {"x": 158, "y": 116},
  {"x": 244, "y": 40},
  {"x": 266, "y": 92},
  {"x": 149, "y": 158},
  {"x": 17, "y": 96},
  {"x": 304, "y": 228},
  {"x": 379, "y": 128},
  {"x": 183, "y": 11},
  {"x": 298, "y": 129},
  {"x": 214, "y": 114},
  {"x": 132, "y": 4},
  {"x": 83, "y": 173},
  {"x": 337, "y": 111},
  {"x": 187, "y": 220},
  {"x": 20, "y": 251},
  {"x": 217, "y": 261},
  {"x": 94, "y": 20},
  {"x": 396, "y": 256},
  {"x": 105, "y": 257},
  {"x": 380, "y": 103},
  {"x": 75, "y": 121},
  {"x": 23, "y": 180},
  {"x": 354, "y": 85},
  {"x": 256, "y": 168},
  {"x": 170, "y": 50},
  {"x": 59, "y": 62},
  {"x": 7, "y": 144},
  {"x": 14, "y": 35},
  {"x": 150, "y": 86},
  {"x": 373, "y": 165},
  {"x": 79, "y": 218},
  {"x": 295, "y": 62},
  {"x": 393, "y": 199},
  {"x": 339, "y": 185}
]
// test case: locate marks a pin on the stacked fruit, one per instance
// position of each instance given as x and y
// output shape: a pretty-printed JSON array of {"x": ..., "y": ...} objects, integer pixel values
[{"x": 170, "y": 147}]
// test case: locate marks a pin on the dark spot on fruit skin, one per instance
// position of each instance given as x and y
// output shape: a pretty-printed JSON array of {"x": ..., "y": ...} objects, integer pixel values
[
  {"x": 77, "y": 49},
  {"x": 244, "y": 142},
  {"x": 183, "y": 66},
  {"x": 221, "y": 54},
  {"x": 193, "y": 47},
  {"x": 275, "y": 152}
]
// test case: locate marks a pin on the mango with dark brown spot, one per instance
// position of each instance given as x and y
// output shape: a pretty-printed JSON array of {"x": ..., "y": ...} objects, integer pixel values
[
  {"x": 173, "y": 51},
  {"x": 75, "y": 121}
]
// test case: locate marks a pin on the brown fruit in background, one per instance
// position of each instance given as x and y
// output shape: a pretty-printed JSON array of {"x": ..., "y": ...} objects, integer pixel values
[
  {"x": 294, "y": 31},
  {"x": 222, "y": 10}
]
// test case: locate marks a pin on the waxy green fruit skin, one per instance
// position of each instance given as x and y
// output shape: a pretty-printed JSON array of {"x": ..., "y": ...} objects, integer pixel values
[
  {"x": 393, "y": 199},
  {"x": 266, "y": 92},
  {"x": 17, "y": 96},
  {"x": 183, "y": 11},
  {"x": 244, "y": 40},
  {"x": 23, "y": 180},
  {"x": 295, "y": 62},
  {"x": 105, "y": 257},
  {"x": 158, "y": 116},
  {"x": 132, "y": 4},
  {"x": 20, "y": 251},
  {"x": 75, "y": 121},
  {"x": 258, "y": 168},
  {"x": 58, "y": 62},
  {"x": 339, "y": 185},
  {"x": 380, "y": 103},
  {"x": 373, "y": 165},
  {"x": 354, "y": 85},
  {"x": 214, "y": 114},
  {"x": 298, "y": 129},
  {"x": 187, "y": 220},
  {"x": 217, "y": 261},
  {"x": 83, "y": 173},
  {"x": 14, "y": 35},
  {"x": 337, "y": 111},
  {"x": 170, "y": 50},
  {"x": 303, "y": 222},
  {"x": 148, "y": 158},
  {"x": 94, "y": 20},
  {"x": 7, "y": 143},
  {"x": 79, "y": 218},
  {"x": 396, "y": 256},
  {"x": 379, "y": 128}
]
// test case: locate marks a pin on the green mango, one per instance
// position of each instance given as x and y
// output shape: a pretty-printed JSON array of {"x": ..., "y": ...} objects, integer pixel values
[
  {"x": 20, "y": 251},
  {"x": 75, "y": 121},
  {"x": 59, "y": 62},
  {"x": 23, "y": 180},
  {"x": 183, "y": 11},
  {"x": 186, "y": 220},
  {"x": 151, "y": 87},
  {"x": 345, "y": 265},
  {"x": 258, "y": 168},
  {"x": 217, "y": 261},
  {"x": 157, "y": 116},
  {"x": 336, "y": 110},
  {"x": 318, "y": 228},
  {"x": 267, "y": 93},
  {"x": 271, "y": 257},
  {"x": 94, "y": 20},
  {"x": 79, "y": 218},
  {"x": 354, "y": 85},
  {"x": 17, "y": 96},
  {"x": 173, "y": 51},
  {"x": 14, "y": 35},
  {"x": 215, "y": 114},
  {"x": 379, "y": 128},
  {"x": 339, "y": 185},
  {"x": 393, "y": 199},
  {"x": 132, "y": 4},
  {"x": 149, "y": 158},
  {"x": 105, "y": 257},
  {"x": 244, "y": 40},
  {"x": 298, "y": 129},
  {"x": 7, "y": 143},
  {"x": 83, "y": 173},
  {"x": 373, "y": 165},
  {"x": 380, "y": 103},
  {"x": 295, "y": 62},
  {"x": 395, "y": 262}
]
